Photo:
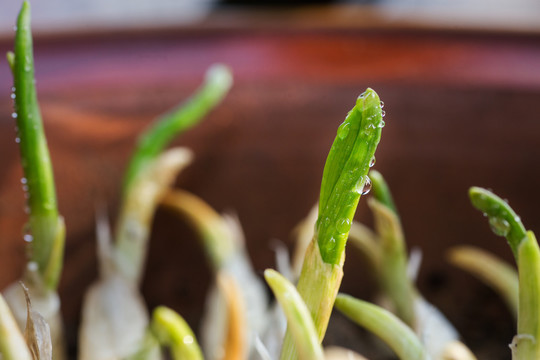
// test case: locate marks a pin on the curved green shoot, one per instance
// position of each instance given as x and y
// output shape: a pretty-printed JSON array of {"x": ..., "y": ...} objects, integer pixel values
[
  {"x": 172, "y": 331},
  {"x": 344, "y": 181},
  {"x": 44, "y": 229},
  {"x": 502, "y": 218},
  {"x": 505, "y": 222},
  {"x": 298, "y": 317},
  {"x": 401, "y": 339},
  {"x": 218, "y": 81},
  {"x": 491, "y": 270},
  {"x": 381, "y": 191},
  {"x": 12, "y": 343}
]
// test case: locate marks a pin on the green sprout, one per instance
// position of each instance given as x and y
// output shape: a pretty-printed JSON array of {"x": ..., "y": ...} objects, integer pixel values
[
  {"x": 45, "y": 230},
  {"x": 143, "y": 177},
  {"x": 184, "y": 116},
  {"x": 172, "y": 331},
  {"x": 393, "y": 270},
  {"x": 344, "y": 181},
  {"x": 505, "y": 222},
  {"x": 398, "y": 335},
  {"x": 298, "y": 316}
]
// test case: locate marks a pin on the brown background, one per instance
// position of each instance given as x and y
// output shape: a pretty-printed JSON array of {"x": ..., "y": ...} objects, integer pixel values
[{"x": 462, "y": 110}]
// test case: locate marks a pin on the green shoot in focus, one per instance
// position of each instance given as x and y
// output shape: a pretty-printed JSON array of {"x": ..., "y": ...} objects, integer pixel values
[{"x": 344, "y": 181}]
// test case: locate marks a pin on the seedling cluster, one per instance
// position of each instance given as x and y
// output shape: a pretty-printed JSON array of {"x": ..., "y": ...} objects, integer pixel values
[{"x": 239, "y": 323}]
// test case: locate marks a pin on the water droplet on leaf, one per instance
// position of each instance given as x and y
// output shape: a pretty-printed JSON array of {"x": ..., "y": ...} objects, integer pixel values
[
  {"x": 382, "y": 104},
  {"x": 499, "y": 226},
  {"x": 343, "y": 130},
  {"x": 363, "y": 186},
  {"x": 372, "y": 161},
  {"x": 343, "y": 225},
  {"x": 14, "y": 115},
  {"x": 188, "y": 339}
]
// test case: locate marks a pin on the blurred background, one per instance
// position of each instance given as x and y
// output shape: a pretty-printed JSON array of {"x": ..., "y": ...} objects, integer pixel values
[{"x": 461, "y": 85}]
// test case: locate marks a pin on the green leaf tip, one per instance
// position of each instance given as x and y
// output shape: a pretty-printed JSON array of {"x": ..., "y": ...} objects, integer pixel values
[
  {"x": 173, "y": 331},
  {"x": 218, "y": 81},
  {"x": 394, "y": 332},
  {"x": 299, "y": 319},
  {"x": 502, "y": 218},
  {"x": 345, "y": 176}
]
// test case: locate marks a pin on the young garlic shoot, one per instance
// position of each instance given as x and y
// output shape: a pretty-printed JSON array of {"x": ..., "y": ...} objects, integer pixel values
[
  {"x": 386, "y": 252},
  {"x": 393, "y": 270},
  {"x": 505, "y": 222},
  {"x": 172, "y": 331},
  {"x": 387, "y": 326},
  {"x": 491, "y": 270},
  {"x": 298, "y": 317},
  {"x": 12, "y": 343},
  {"x": 131, "y": 234},
  {"x": 344, "y": 181},
  {"x": 224, "y": 245},
  {"x": 44, "y": 231}
]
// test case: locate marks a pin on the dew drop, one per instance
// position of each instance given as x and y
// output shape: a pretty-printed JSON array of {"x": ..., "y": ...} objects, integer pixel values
[
  {"x": 188, "y": 339},
  {"x": 13, "y": 96},
  {"x": 372, "y": 161},
  {"x": 28, "y": 238},
  {"x": 331, "y": 244},
  {"x": 17, "y": 140},
  {"x": 23, "y": 180},
  {"x": 499, "y": 226},
  {"x": 14, "y": 115},
  {"x": 382, "y": 104},
  {"x": 367, "y": 186},
  {"x": 343, "y": 225},
  {"x": 13, "y": 89},
  {"x": 381, "y": 124},
  {"x": 363, "y": 186},
  {"x": 343, "y": 130},
  {"x": 32, "y": 266}
]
